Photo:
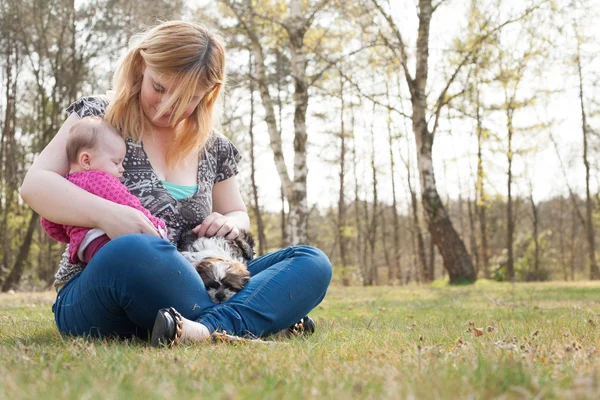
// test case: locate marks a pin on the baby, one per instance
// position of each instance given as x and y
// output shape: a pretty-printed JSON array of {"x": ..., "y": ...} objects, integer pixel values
[{"x": 95, "y": 151}]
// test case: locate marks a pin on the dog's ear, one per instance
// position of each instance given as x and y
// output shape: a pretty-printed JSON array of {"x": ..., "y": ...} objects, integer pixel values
[
  {"x": 205, "y": 270},
  {"x": 186, "y": 240},
  {"x": 245, "y": 243},
  {"x": 245, "y": 278},
  {"x": 237, "y": 276}
]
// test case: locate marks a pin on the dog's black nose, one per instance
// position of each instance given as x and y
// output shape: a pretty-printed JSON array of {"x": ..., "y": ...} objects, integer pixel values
[{"x": 220, "y": 296}]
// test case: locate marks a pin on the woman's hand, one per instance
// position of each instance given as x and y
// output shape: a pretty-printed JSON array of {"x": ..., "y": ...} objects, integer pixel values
[
  {"x": 124, "y": 220},
  {"x": 216, "y": 224}
]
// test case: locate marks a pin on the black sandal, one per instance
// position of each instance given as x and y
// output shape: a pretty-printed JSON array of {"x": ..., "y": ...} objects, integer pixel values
[
  {"x": 305, "y": 327},
  {"x": 167, "y": 327}
]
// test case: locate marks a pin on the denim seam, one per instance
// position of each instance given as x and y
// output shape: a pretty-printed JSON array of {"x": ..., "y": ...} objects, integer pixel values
[{"x": 258, "y": 289}]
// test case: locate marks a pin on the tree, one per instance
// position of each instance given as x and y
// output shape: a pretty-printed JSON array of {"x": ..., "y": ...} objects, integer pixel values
[
  {"x": 585, "y": 129},
  {"x": 262, "y": 239},
  {"x": 341, "y": 217}
]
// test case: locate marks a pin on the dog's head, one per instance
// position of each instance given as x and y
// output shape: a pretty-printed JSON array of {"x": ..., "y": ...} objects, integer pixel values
[
  {"x": 222, "y": 277},
  {"x": 242, "y": 247}
]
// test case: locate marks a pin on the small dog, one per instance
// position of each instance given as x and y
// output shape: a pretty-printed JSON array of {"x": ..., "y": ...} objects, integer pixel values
[{"x": 221, "y": 263}]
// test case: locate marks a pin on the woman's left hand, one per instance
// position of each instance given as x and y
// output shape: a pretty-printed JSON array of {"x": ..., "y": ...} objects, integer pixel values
[{"x": 216, "y": 224}]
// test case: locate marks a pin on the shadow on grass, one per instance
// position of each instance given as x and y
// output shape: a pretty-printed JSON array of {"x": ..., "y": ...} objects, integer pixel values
[
  {"x": 51, "y": 337},
  {"x": 42, "y": 338}
]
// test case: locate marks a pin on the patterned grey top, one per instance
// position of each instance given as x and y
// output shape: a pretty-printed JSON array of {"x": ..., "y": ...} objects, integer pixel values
[{"x": 217, "y": 162}]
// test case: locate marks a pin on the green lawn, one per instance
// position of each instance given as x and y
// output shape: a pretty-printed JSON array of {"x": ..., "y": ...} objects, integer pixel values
[{"x": 489, "y": 340}]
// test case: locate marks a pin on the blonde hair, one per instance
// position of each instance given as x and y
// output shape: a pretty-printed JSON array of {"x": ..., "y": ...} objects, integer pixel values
[
  {"x": 187, "y": 52},
  {"x": 86, "y": 134}
]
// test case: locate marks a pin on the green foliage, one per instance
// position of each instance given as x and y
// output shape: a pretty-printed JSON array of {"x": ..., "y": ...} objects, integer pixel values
[{"x": 525, "y": 261}]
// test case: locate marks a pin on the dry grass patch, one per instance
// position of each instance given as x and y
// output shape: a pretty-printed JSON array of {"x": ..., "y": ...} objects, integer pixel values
[{"x": 488, "y": 340}]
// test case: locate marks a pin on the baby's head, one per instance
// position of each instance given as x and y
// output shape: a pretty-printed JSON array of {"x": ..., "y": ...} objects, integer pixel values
[{"x": 95, "y": 145}]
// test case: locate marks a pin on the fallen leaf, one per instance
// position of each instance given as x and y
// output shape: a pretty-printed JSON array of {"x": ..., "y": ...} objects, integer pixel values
[{"x": 477, "y": 331}]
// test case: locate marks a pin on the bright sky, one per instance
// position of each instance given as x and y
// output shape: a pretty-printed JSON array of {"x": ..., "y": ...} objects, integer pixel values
[{"x": 454, "y": 155}]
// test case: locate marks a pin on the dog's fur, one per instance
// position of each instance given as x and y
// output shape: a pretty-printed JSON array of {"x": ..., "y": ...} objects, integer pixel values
[{"x": 221, "y": 263}]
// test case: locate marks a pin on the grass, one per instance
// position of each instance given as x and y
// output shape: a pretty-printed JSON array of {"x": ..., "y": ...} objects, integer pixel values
[{"x": 486, "y": 340}]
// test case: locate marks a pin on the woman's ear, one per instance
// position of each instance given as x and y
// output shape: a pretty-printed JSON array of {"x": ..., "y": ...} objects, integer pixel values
[{"x": 84, "y": 160}]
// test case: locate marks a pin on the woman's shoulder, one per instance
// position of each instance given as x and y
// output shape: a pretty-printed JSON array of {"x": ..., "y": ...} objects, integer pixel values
[
  {"x": 221, "y": 146},
  {"x": 89, "y": 106}
]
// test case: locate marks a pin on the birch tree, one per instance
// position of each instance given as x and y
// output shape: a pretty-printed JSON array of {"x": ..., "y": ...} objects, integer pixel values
[{"x": 295, "y": 24}]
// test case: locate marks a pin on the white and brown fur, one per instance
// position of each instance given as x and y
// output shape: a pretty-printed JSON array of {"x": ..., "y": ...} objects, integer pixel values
[{"x": 221, "y": 263}]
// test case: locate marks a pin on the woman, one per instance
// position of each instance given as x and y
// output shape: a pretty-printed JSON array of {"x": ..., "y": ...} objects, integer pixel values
[{"x": 184, "y": 173}]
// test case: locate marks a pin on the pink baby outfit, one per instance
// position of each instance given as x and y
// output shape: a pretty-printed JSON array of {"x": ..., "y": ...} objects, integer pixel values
[{"x": 108, "y": 187}]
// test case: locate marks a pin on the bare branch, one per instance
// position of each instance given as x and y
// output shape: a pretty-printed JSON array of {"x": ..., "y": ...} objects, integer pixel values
[
  {"x": 435, "y": 7},
  {"x": 476, "y": 46},
  {"x": 563, "y": 169},
  {"x": 331, "y": 63},
  {"x": 314, "y": 12},
  {"x": 270, "y": 19},
  {"x": 396, "y": 31},
  {"x": 446, "y": 101},
  {"x": 372, "y": 98}
]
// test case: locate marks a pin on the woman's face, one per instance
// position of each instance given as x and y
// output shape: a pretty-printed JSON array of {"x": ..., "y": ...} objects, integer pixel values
[{"x": 156, "y": 91}]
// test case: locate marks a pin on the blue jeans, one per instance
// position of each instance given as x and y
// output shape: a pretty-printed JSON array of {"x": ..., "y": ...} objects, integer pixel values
[{"x": 133, "y": 276}]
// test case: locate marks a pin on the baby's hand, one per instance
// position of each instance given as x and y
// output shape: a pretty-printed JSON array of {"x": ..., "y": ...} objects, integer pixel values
[
  {"x": 124, "y": 220},
  {"x": 216, "y": 224}
]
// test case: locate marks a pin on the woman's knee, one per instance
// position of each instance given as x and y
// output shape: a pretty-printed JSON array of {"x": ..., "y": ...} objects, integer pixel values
[{"x": 316, "y": 264}]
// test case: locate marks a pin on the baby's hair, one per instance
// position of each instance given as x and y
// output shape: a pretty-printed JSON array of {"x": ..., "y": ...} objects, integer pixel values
[{"x": 85, "y": 134}]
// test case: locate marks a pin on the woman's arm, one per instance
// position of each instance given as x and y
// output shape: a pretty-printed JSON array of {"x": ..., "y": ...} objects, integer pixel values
[
  {"x": 229, "y": 212},
  {"x": 52, "y": 196}
]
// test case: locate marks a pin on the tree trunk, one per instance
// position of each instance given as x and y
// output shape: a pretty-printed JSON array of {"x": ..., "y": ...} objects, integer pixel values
[
  {"x": 373, "y": 228},
  {"x": 12, "y": 280},
  {"x": 358, "y": 219},
  {"x": 287, "y": 185},
  {"x": 283, "y": 219},
  {"x": 481, "y": 199},
  {"x": 341, "y": 220},
  {"x": 457, "y": 260},
  {"x": 431, "y": 268},
  {"x": 384, "y": 243},
  {"x": 262, "y": 240},
  {"x": 8, "y": 148},
  {"x": 278, "y": 66},
  {"x": 561, "y": 239},
  {"x": 296, "y": 26},
  {"x": 573, "y": 239},
  {"x": 536, "y": 242},
  {"x": 590, "y": 233},
  {"x": 510, "y": 225},
  {"x": 472, "y": 237},
  {"x": 394, "y": 267},
  {"x": 421, "y": 258}
]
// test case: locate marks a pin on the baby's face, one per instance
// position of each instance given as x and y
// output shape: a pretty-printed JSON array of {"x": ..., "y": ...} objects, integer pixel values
[{"x": 108, "y": 156}]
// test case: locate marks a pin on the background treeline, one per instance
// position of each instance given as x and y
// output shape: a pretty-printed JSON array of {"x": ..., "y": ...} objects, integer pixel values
[{"x": 410, "y": 142}]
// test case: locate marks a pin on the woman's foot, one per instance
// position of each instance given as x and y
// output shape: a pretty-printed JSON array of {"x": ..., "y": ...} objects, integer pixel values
[
  {"x": 170, "y": 327},
  {"x": 305, "y": 327},
  {"x": 167, "y": 327}
]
